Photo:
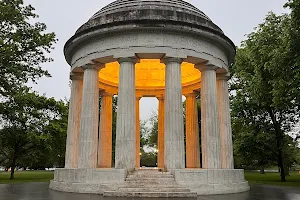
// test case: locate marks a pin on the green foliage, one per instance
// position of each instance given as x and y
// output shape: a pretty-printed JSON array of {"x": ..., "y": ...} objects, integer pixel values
[
  {"x": 31, "y": 126},
  {"x": 149, "y": 159},
  {"x": 153, "y": 132},
  {"x": 264, "y": 105},
  {"x": 22, "y": 46},
  {"x": 53, "y": 151},
  {"x": 294, "y": 36}
]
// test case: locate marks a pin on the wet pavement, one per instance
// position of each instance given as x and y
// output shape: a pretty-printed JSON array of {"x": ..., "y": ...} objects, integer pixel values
[{"x": 40, "y": 191}]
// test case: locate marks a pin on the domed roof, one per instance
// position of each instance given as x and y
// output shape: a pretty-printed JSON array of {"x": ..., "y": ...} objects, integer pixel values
[{"x": 153, "y": 11}]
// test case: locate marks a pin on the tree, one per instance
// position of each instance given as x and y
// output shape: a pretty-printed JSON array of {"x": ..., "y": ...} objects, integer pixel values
[
  {"x": 22, "y": 46},
  {"x": 252, "y": 146},
  {"x": 54, "y": 147},
  {"x": 152, "y": 138},
  {"x": 28, "y": 121},
  {"x": 294, "y": 35},
  {"x": 265, "y": 83},
  {"x": 149, "y": 159}
]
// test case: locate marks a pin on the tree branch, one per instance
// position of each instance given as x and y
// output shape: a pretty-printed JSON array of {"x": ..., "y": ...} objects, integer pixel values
[{"x": 4, "y": 153}]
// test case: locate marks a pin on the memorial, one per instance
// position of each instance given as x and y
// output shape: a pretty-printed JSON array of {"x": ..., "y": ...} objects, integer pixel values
[{"x": 154, "y": 48}]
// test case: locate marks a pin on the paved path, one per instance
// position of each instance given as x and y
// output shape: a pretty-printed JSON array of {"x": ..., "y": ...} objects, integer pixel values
[{"x": 40, "y": 191}]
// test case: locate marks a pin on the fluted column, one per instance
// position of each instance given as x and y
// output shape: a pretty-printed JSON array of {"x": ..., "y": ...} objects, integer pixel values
[
  {"x": 227, "y": 161},
  {"x": 192, "y": 132},
  {"x": 88, "y": 140},
  {"x": 210, "y": 131},
  {"x": 71, "y": 159},
  {"x": 126, "y": 119},
  {"x": 174, "y": 131},
  {"x": 105, "y": 132},
  {"x": 138, "y": 136},
  {"x": 160, "y": 139}
]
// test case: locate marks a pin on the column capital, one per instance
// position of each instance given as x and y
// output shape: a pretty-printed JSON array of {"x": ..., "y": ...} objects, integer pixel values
[
  {"x": 94, "y": 65},
  {"x": 206, "y": 67},
  {"x": 76, "y": 76},
  {"x": 171, "y": 59},
  {"x": 106, "y": 94},
  {"x": 160, "y": 98},
  {"x": 129, "y": 59},
  {"x": 223, "y": 76},
  {"x": 193, "y": 95},
  {"x": 138, "y": 98}
]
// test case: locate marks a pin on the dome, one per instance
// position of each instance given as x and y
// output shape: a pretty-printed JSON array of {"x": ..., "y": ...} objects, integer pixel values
[
  {"x": 153, "y": 11},
  {"x": 149, "y": 30}
]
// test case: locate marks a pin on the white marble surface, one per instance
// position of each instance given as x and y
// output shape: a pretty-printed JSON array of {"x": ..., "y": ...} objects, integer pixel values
[
  {"x": 71, "y": 159},
  {"x": 88, "y": 142},
  {"x": 126, "y": 119},
  {"x": 210, "y": 131},
  {"x": 212, "y": 181},
  {"x": 94, "y": 181},
  {"x": 174, "y": 130},
  {"x": 173, "y": 44},
  {"x": 227, "y": 161}
]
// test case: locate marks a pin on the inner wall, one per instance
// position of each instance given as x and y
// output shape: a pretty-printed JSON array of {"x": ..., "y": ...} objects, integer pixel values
[{"x": 150, "y": 73}]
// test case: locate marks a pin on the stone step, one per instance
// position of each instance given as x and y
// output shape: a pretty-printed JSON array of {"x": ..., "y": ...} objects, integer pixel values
[
  {"x": 153, "y": 189},
  {"x": 151, "y": 172},
  {"x": 150, "y": 176},
  {"x": 152, "y": 181},
  {"x": 143, "y": 185},
  {"x": 150, "y": 194}
]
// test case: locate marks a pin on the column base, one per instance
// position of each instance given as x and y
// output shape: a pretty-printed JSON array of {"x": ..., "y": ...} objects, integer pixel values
[
  {"x": 91, "y": 181},
  {"x": 212, "y": 182},
  {"x": 195, "y": 181}
]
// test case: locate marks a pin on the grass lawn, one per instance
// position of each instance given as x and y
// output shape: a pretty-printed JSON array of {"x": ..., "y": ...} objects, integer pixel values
[
  {"x": 26, "y": 176},
  {"x": 272, "y": 179}
]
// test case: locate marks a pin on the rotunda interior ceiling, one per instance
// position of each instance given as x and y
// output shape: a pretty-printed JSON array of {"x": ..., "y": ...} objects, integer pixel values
[{"x": 150, "y": 73}]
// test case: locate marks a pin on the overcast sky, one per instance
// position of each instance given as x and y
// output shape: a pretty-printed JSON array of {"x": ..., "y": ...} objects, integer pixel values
[{"x": 235, "y": 17}]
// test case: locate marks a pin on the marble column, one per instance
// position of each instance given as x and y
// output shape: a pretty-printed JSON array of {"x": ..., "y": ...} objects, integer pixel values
[
  {"x": 126, "y": 119},
  {"x": 227, "y": 161},
  {"x": 88, "y": 140},
  {"x": 160, "y": 139},
  {"x": 105, "y": 132},
  {"x": 71, "y": 159},
  {"x": 138, "y": 136},
  {"x": 192, "y": 132},
  {"x": 174, "y": 130},
  {"x": 210, "y": 131}
]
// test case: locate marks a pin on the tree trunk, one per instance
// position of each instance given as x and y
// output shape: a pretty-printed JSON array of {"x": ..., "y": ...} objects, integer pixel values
[
  {"x": 12, "y": 172},
  {"x": 281, "y": 166},
  {"x": 286, "y": 170},
  {"x": 279, "y": 143},
  {"x": 262, "y": 170},
  {"x": 12, "y": 169}
]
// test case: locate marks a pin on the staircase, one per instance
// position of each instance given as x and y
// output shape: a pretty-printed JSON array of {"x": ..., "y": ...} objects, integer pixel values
[{"x": 151, "y": 183}]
